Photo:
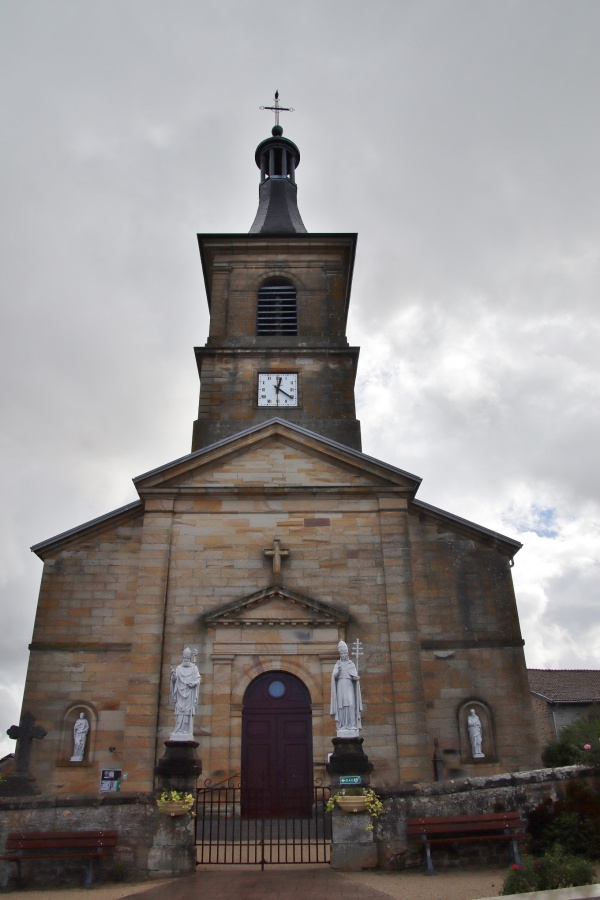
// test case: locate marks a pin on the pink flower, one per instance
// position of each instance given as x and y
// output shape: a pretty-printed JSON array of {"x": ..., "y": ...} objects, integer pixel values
[
  {"x": 515, "y": 867},
  {"x": 587, "y": 746}
]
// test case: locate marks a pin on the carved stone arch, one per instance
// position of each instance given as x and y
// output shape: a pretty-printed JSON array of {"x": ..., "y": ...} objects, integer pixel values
[
  {"x": 488, "y": 743},
  {"x": 286, "y": 274},
  {"x": 70, "y": 716},
  {"x": 279, "y": 663}
]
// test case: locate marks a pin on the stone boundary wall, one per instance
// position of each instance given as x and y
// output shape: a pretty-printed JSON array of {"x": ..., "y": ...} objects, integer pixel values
[
  {"x": 150, "y": 845},
  {"x": 518, "y": 790}
]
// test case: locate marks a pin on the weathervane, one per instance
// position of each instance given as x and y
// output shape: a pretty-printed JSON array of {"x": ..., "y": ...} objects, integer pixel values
[{"x": 277, "y": 108}]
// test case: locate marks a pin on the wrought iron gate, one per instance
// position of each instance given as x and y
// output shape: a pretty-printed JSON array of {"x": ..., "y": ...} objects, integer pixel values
[{"x": 224, "y": 836}]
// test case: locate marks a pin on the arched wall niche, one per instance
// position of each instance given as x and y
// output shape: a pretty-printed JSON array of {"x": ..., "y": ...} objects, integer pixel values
[
  {"x": 70, "y": 716},
  {"x": 488, "y": 735}
]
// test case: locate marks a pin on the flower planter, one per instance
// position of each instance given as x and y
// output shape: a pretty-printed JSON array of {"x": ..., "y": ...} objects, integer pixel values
[
  {"x": 173, "y": 808},
  {"x": 352, "y": 804}
]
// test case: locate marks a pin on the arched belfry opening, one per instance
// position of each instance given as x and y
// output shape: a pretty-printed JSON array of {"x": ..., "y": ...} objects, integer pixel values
[
  {"x": 277, "y": 759},
  {"x": 276, "y": 307}
]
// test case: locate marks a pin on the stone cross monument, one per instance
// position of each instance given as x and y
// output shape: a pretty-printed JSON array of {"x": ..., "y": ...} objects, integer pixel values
[{"x": 19, "y": 782}]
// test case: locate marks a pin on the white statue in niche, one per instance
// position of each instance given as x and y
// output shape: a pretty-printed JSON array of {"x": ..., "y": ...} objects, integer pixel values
[
  {"x": 475, "y": 734},
  {"x": 80, "y": 733},
  {"x": 346, "y": 701},
  {"x": 185, "y": 687}
]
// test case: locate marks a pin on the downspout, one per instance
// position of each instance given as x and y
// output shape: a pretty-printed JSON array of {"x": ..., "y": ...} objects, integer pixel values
[{"x": 553, "y": 711}]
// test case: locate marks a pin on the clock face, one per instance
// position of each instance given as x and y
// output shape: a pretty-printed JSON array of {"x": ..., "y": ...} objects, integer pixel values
[{"x": 277, "y": 389}]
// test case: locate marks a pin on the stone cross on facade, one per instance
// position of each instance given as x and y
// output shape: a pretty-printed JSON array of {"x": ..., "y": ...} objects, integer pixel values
[
  {"x": 278, "y": 553},
  {"x": 24, "y": 733}
]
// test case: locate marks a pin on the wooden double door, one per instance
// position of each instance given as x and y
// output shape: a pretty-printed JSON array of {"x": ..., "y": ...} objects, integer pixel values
[{"x": 277, "y": 780}]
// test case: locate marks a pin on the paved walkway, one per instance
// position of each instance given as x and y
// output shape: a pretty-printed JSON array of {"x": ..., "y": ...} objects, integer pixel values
[
  {"x": 323, "y": 883},
  {"x": 272, "y": 884},
  {"x": 312, "y": 883},
  {"x": 294, "y": 882}
]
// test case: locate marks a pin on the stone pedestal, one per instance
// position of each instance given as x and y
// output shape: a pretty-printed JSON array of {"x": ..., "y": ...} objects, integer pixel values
[
  {"x": 349, "y": 758},
  {"x": 352, "y": 843},
  {"x": 179, "y": 768},
  {"x": 173, "y": 849}
]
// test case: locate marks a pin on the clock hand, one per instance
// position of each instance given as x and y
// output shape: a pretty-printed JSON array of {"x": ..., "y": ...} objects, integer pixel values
[{"x": 281, "y": 391}]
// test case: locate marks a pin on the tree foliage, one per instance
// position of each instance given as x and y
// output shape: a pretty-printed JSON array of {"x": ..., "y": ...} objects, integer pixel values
[{"x": 577, "y": 744}]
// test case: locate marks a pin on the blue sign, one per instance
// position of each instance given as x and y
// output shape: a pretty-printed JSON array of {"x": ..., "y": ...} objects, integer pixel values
[{"x": 350, "y": 779}]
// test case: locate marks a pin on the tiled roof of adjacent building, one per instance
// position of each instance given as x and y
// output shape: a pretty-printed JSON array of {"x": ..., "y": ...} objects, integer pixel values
[{"x": 566, "y": 685}]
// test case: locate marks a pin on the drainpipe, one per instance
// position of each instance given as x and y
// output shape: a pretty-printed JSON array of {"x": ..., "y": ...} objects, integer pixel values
[{"x": 553, "y": 711}]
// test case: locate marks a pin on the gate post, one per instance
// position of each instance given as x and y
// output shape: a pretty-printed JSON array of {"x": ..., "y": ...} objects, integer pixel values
[
  {"x": 352, "y": 843},
  {"x": 173, "y": 849}
]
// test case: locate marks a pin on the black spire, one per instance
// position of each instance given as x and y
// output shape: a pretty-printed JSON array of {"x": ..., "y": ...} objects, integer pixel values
[{"x": 277, "y": 158}]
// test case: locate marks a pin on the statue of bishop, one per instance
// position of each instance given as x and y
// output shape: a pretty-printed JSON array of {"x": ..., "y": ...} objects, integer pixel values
[
  {"x": 185, "y": 687},
  {"x": 346, "y": 701}
]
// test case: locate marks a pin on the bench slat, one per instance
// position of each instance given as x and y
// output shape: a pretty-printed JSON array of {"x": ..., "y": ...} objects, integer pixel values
[
  {"x": 87, "y": 842},
  {"x": 462, "y": 827},
  {"x": 60, "y": 835},
  {"x": 60, "y": 840},
  {"x": 460, "y": 839},
  {"x": 479, "y": 817}
]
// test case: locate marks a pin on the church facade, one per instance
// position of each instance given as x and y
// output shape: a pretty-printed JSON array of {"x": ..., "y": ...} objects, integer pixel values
[{"x": 274, "y": 539}]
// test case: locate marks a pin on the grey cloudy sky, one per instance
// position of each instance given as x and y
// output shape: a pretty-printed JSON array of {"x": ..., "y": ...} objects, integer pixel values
[{"x": 459, "y": 139}]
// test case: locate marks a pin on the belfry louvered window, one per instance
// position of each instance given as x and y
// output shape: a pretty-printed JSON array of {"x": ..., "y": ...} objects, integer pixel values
[{"x": 276, "y": 308}]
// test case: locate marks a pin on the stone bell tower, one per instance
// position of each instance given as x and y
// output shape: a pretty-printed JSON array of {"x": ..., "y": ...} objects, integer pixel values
[{"x": 278, "y": 299}]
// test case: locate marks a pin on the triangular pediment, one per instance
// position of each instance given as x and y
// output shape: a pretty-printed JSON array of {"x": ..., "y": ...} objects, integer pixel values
[
  {"x": 277, "y": 605},
  {"x": 276, "y": 455},
  {"x": 275, "y": 462}
]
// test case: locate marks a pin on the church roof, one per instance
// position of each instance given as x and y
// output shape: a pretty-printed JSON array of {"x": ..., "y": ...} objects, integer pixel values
[
  {"x": 434, "y": 511},
  {"x": 566, "y": 685},
  {"x": 112, "y": 517},
  {"x": 383, "y": 472},
  {"x": 290, "y": 426},
  {"x": 277, "y": 158}
]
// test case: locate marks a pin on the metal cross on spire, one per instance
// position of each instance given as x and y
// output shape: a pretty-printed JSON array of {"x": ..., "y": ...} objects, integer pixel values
[{"x": 277, "y": 108}]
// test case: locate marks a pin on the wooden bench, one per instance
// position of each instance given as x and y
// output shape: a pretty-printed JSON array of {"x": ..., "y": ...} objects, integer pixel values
[
  {"x": 27, "y": 845},
  {"x": 502, "y": 826}
]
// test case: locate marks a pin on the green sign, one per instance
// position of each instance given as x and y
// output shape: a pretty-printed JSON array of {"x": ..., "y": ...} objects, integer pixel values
[{"x": 350, "y": 779}]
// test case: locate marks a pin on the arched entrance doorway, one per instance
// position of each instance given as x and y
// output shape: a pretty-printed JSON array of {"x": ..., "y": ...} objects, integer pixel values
[{"x": 276, "y": 747}]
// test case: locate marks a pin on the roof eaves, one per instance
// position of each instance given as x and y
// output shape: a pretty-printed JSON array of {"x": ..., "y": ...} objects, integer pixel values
[
  {"x": 435, "y": 511},
  {"x": 224, "y": 442},
  {"x": 93, "y": 523}
]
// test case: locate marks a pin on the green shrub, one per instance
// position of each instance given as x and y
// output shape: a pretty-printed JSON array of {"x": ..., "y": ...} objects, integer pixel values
[
  {"x": 578, "y": 744},
  {"x": 554, "y": 870},
  {"x": 573, "y": 822}
]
